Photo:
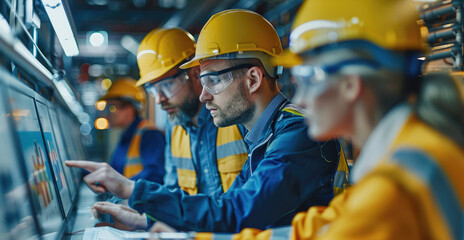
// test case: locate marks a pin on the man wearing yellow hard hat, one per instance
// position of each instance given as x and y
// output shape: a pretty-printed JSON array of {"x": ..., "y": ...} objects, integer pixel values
[
  {"x": 357, "y": 74},
  {"x": 139, "y": 153},
  {"x": 285, "y": 172},
  {"x": 200, "y": 157}
]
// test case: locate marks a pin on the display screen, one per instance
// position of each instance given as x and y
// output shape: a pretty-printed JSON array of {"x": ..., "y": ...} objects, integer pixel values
[
  {"x": 55, "y": 158},
  {"x": 16, "y": 217},
  {"x": 40, "y": 177},
  {"x": 62, "y": 150}
]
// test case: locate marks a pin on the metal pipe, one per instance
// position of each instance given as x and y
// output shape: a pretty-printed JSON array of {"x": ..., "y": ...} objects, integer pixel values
[
  {"x": 440, "y": 25},
  {"x": 433, "y": 14},
  {"x": 458, "y": 62},
  {"x": 440, "y": 55},
  {"x": 436, "y": 5},
  {"x": 442, "y": 35}
]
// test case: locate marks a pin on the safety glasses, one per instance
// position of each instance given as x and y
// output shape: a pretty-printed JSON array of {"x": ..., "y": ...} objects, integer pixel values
[
  {"x": 216, "y": 82},
  {"x": 167, "y": 86},
  {"x": 310, "y": 75}
]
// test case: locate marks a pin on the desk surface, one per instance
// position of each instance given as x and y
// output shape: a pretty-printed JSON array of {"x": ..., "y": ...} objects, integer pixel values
[{"x": 83, "y": 217}]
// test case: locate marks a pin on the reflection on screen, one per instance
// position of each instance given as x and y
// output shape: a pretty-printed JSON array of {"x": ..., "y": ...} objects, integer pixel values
[
  {"x": 57, "y": 164},
  {"x": 16, "y": 221},
  {"x": 62, "y": 151},
  {"x": 40, "y": 180},
  {"x": 72, "y": 143}
]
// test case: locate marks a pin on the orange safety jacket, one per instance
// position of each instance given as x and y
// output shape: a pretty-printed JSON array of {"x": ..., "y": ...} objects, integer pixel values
[{"x": 416, "y": 192}]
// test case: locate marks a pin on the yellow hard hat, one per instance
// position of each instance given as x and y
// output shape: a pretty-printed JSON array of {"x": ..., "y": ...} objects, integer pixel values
[
  {"x": 161, "y": 50},
  {"x": 236, "y": 31},
  {"x": 390, "y": 24},
  {"x": 124, "y": 88}
]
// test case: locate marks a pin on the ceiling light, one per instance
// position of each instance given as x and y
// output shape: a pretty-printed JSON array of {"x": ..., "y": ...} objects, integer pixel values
[
  {"x": 98, "y": 39},
  {"x": 61, "y": 24}
]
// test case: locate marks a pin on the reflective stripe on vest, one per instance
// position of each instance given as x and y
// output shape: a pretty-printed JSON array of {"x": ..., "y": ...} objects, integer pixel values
[
  {"x": 231, "y": 154},
  {"x": 430, "y": 173},
  {"x": 342, "y": 174},
  {"x": 134, "y": 163},
  {"x": 340, "y": 181}
]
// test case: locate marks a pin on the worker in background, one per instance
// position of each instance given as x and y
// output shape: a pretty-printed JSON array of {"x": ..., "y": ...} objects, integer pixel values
[
  {"x": 356, "y": 68},
  {"x": 140, "y": 151},
  {"x": 285, "y": 172}
]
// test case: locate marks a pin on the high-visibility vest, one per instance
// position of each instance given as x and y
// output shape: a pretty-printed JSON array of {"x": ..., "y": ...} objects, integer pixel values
[
  {"x": 231, "y": 154},
  {"x": 341, "y": 179},
  {"x": 134, "y": 163}
]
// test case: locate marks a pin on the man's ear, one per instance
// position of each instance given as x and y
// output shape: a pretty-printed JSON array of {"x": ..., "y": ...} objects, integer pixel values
[
  {"x": 194, "y": 75},
  {"x": 351, "y": 87},
  {"x": 255, "y": 79},
  {"x": 194, "y": 72}
]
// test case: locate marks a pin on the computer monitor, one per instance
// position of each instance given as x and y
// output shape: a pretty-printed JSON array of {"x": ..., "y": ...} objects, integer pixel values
[
  {"x": 59, "y": 132},
  {"x": 17, "y": 220},
  {"x": 53, "y": 154},
  {"x": 72, "y": 142},
  {"x": 45, "y": 199}
]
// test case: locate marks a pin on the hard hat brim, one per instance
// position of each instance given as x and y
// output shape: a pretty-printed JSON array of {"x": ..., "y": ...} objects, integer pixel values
[
  {"x": 287, "y": 60},
  {"x": 150, "y": 76},
  {"x": 192, "y": 63}
]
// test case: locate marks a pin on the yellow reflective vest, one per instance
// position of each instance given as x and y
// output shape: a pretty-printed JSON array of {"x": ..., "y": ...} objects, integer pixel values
[
  {"x": 417, "y": 192},
  {"x": 231, "y": 154},
  {"x": 134, "y": 163}
]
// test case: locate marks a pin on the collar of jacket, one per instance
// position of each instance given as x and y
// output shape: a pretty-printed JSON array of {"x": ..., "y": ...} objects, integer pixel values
[{"x": 254, "y": 136}]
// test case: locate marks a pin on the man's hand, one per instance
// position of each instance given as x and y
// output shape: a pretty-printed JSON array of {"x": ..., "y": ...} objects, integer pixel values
[
  {"x": 124, "y": 217},
  {"x": 103, "y": 178},
  {"x": 161, "y": 227}
]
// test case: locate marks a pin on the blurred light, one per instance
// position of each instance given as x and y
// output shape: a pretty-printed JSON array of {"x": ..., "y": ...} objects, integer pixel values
[
  {"x": 421, "y": 58},
  {"x": 85, "y": 129},
  {"x": 112, "y": 109},
  {"x": 165, "y": 3},
  {"x": 106, "y": 83},
  {"x": 130, "y": 44},
  {"x": 97, "y": 39},
  {"x": 139, "y": 3},
  {"x": 97, "y": 2},
  {"x": 101, "y": 123},
  {"x": 110, "y": 57},
  {"x": 60, "y": 22},
  {"x": 100, "y": 105},
  {"x": 84, "y": 118},
  {"x": 95, "y": 70},
  {"x": 180, "y": 4}
]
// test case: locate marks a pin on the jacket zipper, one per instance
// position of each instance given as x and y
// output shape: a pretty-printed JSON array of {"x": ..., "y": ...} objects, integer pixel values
[{"x": 259, "y": 145}]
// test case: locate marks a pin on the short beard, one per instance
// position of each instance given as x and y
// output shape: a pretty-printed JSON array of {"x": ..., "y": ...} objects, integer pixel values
[
  {"x": 187, "y": 110},
  {"x": 240, "y": 111}
]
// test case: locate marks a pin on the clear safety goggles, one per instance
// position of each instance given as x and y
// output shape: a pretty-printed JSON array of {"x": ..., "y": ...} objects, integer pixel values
[
  {"x": 316, "y": 75},
  {"x": 168, "y": 86},
  {"x": 216, "y": 82}
]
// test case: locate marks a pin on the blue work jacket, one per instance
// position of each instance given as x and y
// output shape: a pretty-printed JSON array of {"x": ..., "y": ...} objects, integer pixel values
[{"x": 285, "y": 172}]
